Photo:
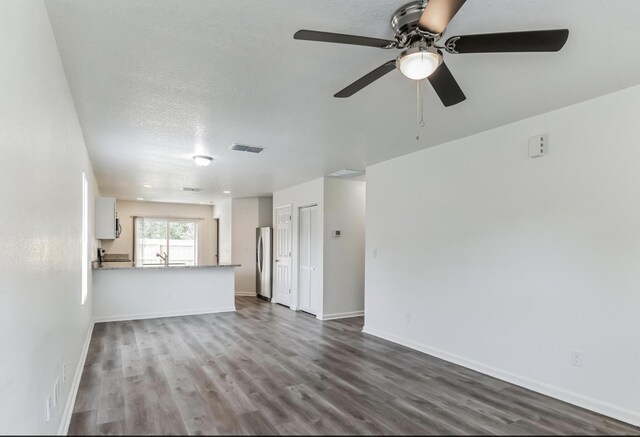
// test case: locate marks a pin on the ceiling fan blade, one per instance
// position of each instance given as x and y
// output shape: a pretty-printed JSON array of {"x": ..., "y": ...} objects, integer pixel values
[
  {"x": 367, "y": 79},
  {"x": 446, "y": 86},
  {"x": 530, "y": 41},
  {"x": 339, "y": 38},
  {"x": 438, "y": 14}
]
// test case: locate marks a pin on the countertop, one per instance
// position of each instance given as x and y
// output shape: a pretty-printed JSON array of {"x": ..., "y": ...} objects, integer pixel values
[{"x": 207, "y": 266}]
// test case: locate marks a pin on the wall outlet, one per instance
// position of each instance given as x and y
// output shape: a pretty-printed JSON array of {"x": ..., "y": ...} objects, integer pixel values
[
  {"x": 64, "y": 372},
  {"x": 375, "y": 253},
  {"x": 56, "y": 392},
  {"x": 47, "y": 409},
  {"x": 407, "y": 317},
  {"x": 576, "y": 358}
]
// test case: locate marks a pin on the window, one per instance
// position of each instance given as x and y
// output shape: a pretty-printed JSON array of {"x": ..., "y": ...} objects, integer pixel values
[
  {"x": 85, "y": 238},
  {"x": 165, "y": 242}
]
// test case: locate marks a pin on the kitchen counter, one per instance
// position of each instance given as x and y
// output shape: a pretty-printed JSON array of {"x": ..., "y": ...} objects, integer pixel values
[
  {"x": 204, "y": 266},
  {"x": 130, "y": 293}
]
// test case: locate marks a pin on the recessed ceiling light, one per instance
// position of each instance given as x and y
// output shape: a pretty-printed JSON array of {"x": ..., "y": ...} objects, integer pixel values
[
  {"x": 139, "y": 198},
  {"x": 202, "y": 160},
  {"x": 227, "y": 192},
  {"x": 146, "y": 186},
  {"x": 202, "y": 203}
]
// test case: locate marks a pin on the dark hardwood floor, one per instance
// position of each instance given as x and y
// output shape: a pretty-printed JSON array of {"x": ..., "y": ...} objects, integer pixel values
[{"x": 268, "y": 370}]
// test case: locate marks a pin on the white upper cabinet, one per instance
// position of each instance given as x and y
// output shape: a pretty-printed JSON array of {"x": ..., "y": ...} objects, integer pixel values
[{"x": 106, "y": 223}]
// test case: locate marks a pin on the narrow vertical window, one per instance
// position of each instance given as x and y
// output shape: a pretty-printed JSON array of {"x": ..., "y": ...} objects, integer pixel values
[{"x": 85, "y": 238}]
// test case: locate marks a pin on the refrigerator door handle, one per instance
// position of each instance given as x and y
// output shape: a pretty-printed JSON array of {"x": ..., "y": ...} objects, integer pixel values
[{"x": 260, "y": 253}]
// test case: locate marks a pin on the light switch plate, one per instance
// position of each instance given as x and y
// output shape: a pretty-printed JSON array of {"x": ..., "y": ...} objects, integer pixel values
[
  {"x": 538, "y": 146},
  {"x": 576, "y": 358}
]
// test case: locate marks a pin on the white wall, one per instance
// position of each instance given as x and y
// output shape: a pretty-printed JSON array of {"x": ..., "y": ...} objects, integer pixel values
[
  {"x": 344, "y": 209},
  {"x": 265, "y": 212},
  {"x": 341, "y": 205},
  {"x": 42, "y": 323},
  {"x": 127, "y": 210},
  {"x": 247, "y": 215},
  {"x": 223, "y": 212},
  {"x": 243, "y": 243},
  {"x": 506, "y": 264},
  {"x": 306, "y": 194}
]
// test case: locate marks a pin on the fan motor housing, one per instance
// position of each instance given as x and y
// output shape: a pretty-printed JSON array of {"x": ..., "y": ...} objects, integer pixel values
[{"x": 404, "y": 23}]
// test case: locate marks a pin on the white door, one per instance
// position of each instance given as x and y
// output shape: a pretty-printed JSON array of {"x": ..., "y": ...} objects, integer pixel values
[
  {"x": 283, "y": 256},
  {"x": 308, "y": 260}
]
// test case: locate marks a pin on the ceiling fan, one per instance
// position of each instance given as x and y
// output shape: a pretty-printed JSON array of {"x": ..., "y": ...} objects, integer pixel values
[{"x": 418, "y": 27}]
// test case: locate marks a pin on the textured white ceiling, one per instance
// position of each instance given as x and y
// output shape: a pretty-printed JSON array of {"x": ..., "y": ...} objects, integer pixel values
[{"x": 157, "y": 81}]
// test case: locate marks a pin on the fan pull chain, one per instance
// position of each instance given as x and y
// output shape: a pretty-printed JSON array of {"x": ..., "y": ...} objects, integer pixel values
[{"x": 419, "y": 109}]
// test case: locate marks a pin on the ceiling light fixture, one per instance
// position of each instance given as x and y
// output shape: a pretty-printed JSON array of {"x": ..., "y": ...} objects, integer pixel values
[
  {"x": 347, "y": 173},
  {"x": 146, "y": 186},
  {"x": 418, "y": 63},
  {"x": 227, "y": 192},
  {"x": 202, "y": 160},
  {"x": 139, "y": 198}
]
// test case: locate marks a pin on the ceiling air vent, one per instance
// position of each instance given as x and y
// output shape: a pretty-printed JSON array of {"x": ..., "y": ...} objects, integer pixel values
[
  {"x": 244, "y": 148},
  {"x": 191, "y": 189},
  {"x": 346, "y": 173}
]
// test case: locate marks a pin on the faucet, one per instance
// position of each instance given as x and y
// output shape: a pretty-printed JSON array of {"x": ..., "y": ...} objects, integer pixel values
[{"x": 163, "y": 258}]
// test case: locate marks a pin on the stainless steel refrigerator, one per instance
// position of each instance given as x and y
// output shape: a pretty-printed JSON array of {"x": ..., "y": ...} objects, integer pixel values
[{"x": 263, "y": 261}]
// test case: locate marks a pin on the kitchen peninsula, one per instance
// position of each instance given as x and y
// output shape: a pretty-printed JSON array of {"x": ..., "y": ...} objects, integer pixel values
[{"x": 132, "y": 293}]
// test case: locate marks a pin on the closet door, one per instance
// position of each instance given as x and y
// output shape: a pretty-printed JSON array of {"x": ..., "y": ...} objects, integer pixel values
[
  {"x": 282, "y": 283},
  {"x": 309, "y": 285}
]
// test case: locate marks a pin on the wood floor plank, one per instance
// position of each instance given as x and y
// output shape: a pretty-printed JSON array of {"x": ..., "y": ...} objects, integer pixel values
[
  {"x": 254, "y": 423},
  {"x": 83, "y": 423},
  {"x": 296, "y": 427},
  {"x": 194, "y": 410},
  {"x": 116, "y": 427},
  {"x": 139, "y": 419},
  {"x": 160, "y": 399},
  {"x": 111, "y": 401},
  {"x": 267, "y": 370},
  {"x": 88, "y": 396}
]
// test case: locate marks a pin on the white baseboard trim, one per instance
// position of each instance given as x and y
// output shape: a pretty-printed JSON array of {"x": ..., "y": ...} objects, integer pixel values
[
  {"x": 126, "y": 317},
  {"x": 75, "y": 384},
  {"x": 245, "y": 293},
  {"x": 625, "y": 415},
  {"x": 340, "y": 315}
]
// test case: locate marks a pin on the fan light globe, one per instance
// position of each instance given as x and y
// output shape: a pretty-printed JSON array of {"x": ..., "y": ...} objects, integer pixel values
[
  {"x": 202, "y": 160},
  {"x": 418, "y": 64}
]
